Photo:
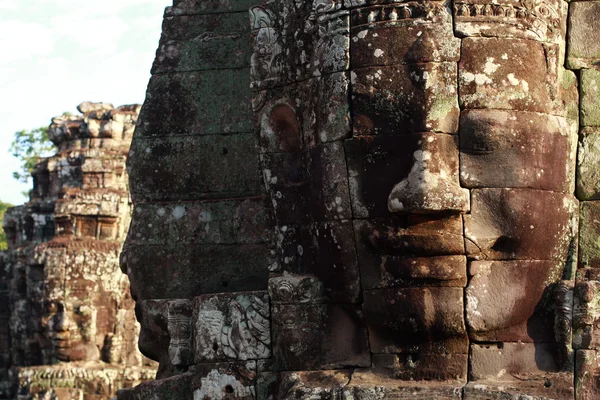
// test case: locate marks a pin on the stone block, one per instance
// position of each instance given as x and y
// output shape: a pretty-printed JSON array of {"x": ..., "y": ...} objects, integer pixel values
[
  {"x": 425, "y": 320},
  {"x": 589, "y": 236},
  {"x": 588, "y": 176},
  {"x": 583, "y": 50},
  {"x": 505, "y": 370},
  {"x": 329, "y": 191},
  {"x": 232, "y": 326},
  {"x": 587, "y": 375},
  {"x": 316, "y": 385},
  {"x": 480, "y": 18},
  {"x": 590, "y": 93},
  {"x": 197, "y": 103},
  {"x": 532, "y": 150},
  {"x": 286, "y": 48},
  {"x": 531, "y": 388},
  {"x": 391, "y": 271},
  {"x": 407, "y": 173},
  {"x": 332, "y": 108},
  {"x": 419, "y": 367},
  {"x": 325, "y": 251},
  {"x": 373, "y": 387},
  {"x": 202, "y": 42},
  {"x": 175, "y": 388},
  {"x": 319, "y": 336},
  {"x": 243, "y": 221},
  {"x": 524, "y": 288},
  {"x": 403, "y": 40},
  {"x": 333, "y": 260},
  {"x": 493, "y": 74},
  {"x": 195, "y": 270},
  {"x": 400, "y": 99},
  {"x": 410, "y": 236},
  {"x": 194, "y": 167},
  {"x": 511, "y": 224}
]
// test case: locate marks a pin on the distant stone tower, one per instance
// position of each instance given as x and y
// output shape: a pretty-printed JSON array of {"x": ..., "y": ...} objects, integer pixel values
[{"x": 72, "y": 331}]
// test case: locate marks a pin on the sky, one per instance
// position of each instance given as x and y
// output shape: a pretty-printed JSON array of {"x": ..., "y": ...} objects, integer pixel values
[{"x": 55, "y": 54}]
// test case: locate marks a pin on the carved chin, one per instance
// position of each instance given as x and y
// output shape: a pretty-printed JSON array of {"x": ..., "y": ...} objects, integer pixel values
[{"x": 79, "y": 351}]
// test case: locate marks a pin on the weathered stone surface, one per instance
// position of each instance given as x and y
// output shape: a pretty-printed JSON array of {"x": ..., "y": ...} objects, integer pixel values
[
  {"x": 243, "y": 221},
  {"x": 319, "y": 336},
  {"x": 194, "y": 167},
  {"x": 404, "y": 98},
  {"x": 525, "y": 288},
  {"x": 193, "y": 271},
  {"x": 493, "y": 74},
  {"x": 509, "y": 224},
  {"x": 408, "y": 173},
  {"x": 510, "y": 369},
  {"x": 389, "y": 271},
  {"x": 416, "y": 320},
  {"x": 325, "y": 251},
  {"x": 588, "y": 157},
  {"x": 232, "y": 327},
  {"x": 370, "y": 387},
  {"x": 396, "y": 39},
  {"x": 542, "y": 21},
  {"x": 411, "y": 236},
  {"x": 293, "y": 41},
  {"x": 589, "y": 234},
  {"x": 590, "y": 91},
  {"x": 175, "y": 388},
  {"x": 419, "y": 367},
  {"x": 317, "y": 385},
  {"x": 583, "y": 40},
  {"x": 301, "y": 115},
  {"x": 202, "y": 42},
  {"x": 533, "y": 150},
  {"x": 179, "y": 105}
]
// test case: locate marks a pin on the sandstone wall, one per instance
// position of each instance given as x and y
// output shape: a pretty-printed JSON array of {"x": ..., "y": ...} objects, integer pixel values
[{"x": 69, "y": 317}]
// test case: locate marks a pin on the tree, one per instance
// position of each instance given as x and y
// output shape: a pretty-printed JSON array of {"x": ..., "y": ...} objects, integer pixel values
[
  {"x": 28, "y": 147},
  {"x": 3, "y": 208}
]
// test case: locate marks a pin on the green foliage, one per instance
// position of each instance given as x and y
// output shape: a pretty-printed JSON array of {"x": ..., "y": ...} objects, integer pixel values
[
  {"x": 28, "y": 147},
  {"x": 3, "y": 207}
]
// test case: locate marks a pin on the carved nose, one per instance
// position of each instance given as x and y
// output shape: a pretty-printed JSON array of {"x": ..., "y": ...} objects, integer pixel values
[{"x": 432, "y": 183}]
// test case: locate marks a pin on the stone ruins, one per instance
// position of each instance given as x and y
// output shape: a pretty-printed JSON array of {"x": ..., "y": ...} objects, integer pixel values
[
  {"x": 68, "y": 327},
  {"x": 369, "y": 199},
  {"x": 335, "y": 200}
]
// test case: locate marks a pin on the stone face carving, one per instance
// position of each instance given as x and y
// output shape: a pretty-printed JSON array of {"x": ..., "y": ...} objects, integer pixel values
[
  {"x": 72, "y": 324},
  {"x": 415, "y": 233}
]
